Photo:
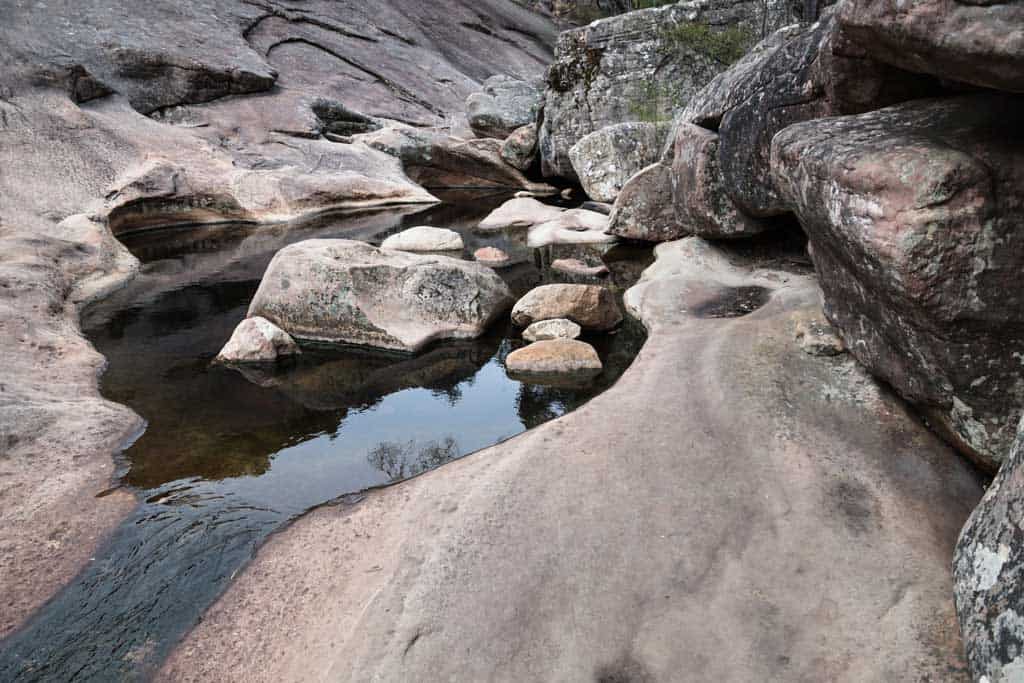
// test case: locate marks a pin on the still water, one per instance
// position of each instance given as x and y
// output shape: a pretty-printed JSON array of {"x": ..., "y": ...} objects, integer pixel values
[{"x": 230, "y": 456}]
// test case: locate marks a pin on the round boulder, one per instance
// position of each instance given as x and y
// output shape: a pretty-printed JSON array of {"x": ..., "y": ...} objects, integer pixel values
[
  {"x": 424, "y": 238},
  {"x": 558, "y": 328},
  {"x": 556, "y": 359},
  {"x": 257, "y": 340},
  {"x": 589, "y": 306}
]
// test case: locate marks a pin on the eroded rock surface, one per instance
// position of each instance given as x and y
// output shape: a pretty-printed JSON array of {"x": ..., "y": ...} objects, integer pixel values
[
  {"x": 913, "y": 213},
  {"x": 342, "y": 291}
]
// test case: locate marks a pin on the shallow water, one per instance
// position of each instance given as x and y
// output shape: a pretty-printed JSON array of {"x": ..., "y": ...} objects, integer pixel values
[{"x": 230, "y": 456}]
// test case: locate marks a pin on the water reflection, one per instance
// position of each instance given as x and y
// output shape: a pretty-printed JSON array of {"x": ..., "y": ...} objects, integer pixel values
[{"x": 229, "y": 455}]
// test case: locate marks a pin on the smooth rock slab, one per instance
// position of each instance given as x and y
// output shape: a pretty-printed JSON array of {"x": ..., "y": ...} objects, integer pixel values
[
  {"x": 424, "y": 238},
  {"x": 589, "y": 306},
  {"x": 558, "y": 328},
  {"x": 520, "y": 212},
  {"x": 575, "y": 226},
  {"x": 257, "y": 340},
  {"x": 349, "y": 292},
  {"x": 555, "y": 358}
]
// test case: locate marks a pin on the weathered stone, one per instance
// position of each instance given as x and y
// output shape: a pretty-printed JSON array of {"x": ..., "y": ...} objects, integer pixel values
[
  {"x": 505, "y": 105},
  {"x": 913, "y": 214},
  {"x": 797, "y": 74},
  {"x": 605, "y": 159},
  {"x": 424, "y": 238},
  {"x": 988, "y": 573},
  {"x": 973, "y": 41},
  {"x": 642, "y": 66},
  {"x": 700, "y": 200},
  {"x": 520, "y": 212},
  {"x": 557, "y": 328},
  {"x": 576, "y": 268},
  {"x": 435, "y": 159},
  {"x": 492, "y": 256},
  {"x": 520, "y": 148},
  {"x": 575, "y": 226},
  {"x": 556, "y": 359},
  {"x": 644, "y": 209},
  {"x": 590, "y": 306},
  {"x": 353, "y": 293},
  {"x": 817, "y": 337},
  {"x": 257, "y": 340}
]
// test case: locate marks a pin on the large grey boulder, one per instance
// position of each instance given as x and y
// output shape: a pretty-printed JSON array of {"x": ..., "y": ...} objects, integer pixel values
[
  {"x": 644, "y": 209},
  {"x": 349, "y": 292},
  {"x": 973, "y": 41},
  {"x": 644, "y": 65},
  {"x": 590, "y": 306},
  {"x": 504, "y": 105},
  {"x": 913, "y": 215},
  {"x": 988, "y": 573},
  {"x": 605, "y": 159}
]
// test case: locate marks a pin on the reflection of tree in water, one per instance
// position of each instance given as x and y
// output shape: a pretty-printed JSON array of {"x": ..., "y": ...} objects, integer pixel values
[{"x": 403, "y": 460}]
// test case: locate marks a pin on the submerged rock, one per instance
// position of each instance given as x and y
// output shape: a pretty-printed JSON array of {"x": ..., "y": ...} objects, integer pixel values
[
  {"x": 554, "y": 359},
  {"x": 424, "y": 238},
  {"x": 492, "y": 256},
  {"x": 589, "y": 306},
  {"x": 257, "y": 340},
  {"x": 575, "y": 267},
  {"x": 556, "y": 328},
  {"x": 520, "y": 148},
  {"x": 349, "y": 292},
  {"x": 913, "y": 215},
  {"x": 605, "y": 159},
  {"x": 505, "y": 105}
]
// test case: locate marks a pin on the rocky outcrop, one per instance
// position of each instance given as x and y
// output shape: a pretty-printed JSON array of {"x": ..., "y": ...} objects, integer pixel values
[
  {"x": 520, "y": 148},
  {"x": 555, "y": 328},
  {"x": 424, "y": 238},
  {"x": 605, "y": 159},
  {"x": 505, "y": 105},
  {"x": 973, "y": 41},
  {"x": 554, "y": 359},
  {"x": 257, "y": 340},
  {"x": 642, "y": 66},
  {"x": 913, "y": 214},
  {"x": 590, "y": 306},
  {"x": 436, "y": 159},
  {"x": 341, "y": 291},
  {"x": 988, "y": 572}
]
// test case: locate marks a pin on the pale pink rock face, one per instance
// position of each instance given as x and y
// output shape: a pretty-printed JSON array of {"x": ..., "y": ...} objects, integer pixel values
[{"x": 555, "y": 357}]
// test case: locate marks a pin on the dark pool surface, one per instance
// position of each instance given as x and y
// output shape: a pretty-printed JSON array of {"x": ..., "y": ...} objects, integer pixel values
[{"x": 229, "y": 456}]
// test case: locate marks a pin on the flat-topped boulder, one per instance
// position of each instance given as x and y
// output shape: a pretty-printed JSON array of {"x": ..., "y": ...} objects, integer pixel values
[
  {"x": 554, "y": 359},
  {"x": 342, "y": 291},
  {"x": 257, "y": 340},
  {"x": 424, "y": 238},
  {"x": 589, "y": 306}
]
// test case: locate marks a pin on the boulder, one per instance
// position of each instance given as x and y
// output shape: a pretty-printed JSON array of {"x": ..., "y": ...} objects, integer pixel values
[
  {"x": 644, "y": 209},
  {"x": 492, "y": 256},
  {"x": 557, "y": 328},
  {"x": 797, "y": 74},
  {"x": 605, "y": 159},
  {"x": 520, "y": 148},
  {"x": 505, "y": 105},
  {"x": 554, "y": 359},
  {"x": 575, "y": 226},
  {"x": 988, "y": 575},
  {"x": 973, "y": 41},
  {"x": 589, "y": 306},
  {"x": 520, "y": 212},
  {"x": 435, "y": 159},
  {"x": 913, "y": 216},
  {"x": 257, "y": 340},
  {"x": 424, "y": 238},
  {"x": 701, "y": 203},
  {"x": 342, "y": 291},
  {"x": 642, "y": 66}
]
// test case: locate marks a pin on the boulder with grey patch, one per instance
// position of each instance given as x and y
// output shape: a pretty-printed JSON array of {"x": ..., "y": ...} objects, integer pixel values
[
  {"x": 505, "y": 105},
  {"x": 605, "y": 159},
  {"x": 342, "y": 291}
]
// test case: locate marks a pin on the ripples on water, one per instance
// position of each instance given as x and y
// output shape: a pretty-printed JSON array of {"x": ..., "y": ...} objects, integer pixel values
[{"x": 230, "y": 456}]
